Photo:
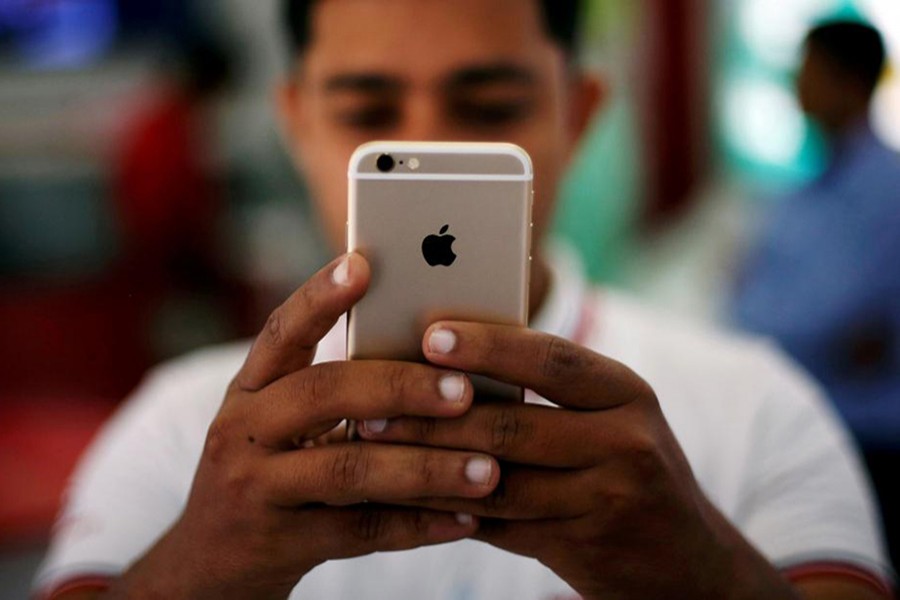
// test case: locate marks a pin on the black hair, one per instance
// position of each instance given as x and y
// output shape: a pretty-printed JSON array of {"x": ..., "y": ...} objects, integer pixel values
[
  {"x": 208, "y": 65},
  {"x": 561, "y": 17},
  {"x": 856, "y": 48}
]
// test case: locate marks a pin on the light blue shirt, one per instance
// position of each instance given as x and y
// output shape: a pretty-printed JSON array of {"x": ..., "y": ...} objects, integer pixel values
[{"x": 825, "y": 282}]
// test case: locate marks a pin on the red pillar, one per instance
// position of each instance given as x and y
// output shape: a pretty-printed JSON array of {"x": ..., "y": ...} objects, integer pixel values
[{"x": 673, "y": 81}]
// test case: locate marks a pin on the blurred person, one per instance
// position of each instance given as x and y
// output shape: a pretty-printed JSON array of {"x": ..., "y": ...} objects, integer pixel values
[
  {"x": 168, "y": 194},
  {"x": 824, "y": 280},
  {"x": 716, "y": 473}
]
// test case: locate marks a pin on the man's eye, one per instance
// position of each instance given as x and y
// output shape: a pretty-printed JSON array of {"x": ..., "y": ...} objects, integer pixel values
[
  {"x": 370, "y": 118},
  {"x": 492, "y": 113}
]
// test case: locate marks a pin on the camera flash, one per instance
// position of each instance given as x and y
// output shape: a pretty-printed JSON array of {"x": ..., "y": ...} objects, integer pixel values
[{"x": 414, "y": 164}]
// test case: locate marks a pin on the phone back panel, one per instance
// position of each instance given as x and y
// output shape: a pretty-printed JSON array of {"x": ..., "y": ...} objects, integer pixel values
[{"x": 477, "y": 196}]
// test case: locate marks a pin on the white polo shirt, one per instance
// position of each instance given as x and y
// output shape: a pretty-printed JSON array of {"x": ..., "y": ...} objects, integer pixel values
[{"x": 763, "y": 445}]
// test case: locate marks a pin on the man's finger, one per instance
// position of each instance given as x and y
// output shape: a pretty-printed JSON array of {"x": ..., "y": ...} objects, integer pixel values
[
  {"x": 318, "y": 396},
  {"x": 525, "y": 494},
  {"x": 361, "y": 530},
  {"x": 288, "y": 341},
  {"x": 561, "y": 371},
  {"x": 345, "y": 474},
  {"x": 517, "y": 537},
  {"x": 524, "y": 434}
]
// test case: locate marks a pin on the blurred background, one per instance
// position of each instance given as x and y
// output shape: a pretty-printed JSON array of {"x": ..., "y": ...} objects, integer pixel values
[{"x": 100, "y": 279}]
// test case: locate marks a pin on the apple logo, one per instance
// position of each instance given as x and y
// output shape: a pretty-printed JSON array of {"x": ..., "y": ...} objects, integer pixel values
[{"x": 438, "y": 249}]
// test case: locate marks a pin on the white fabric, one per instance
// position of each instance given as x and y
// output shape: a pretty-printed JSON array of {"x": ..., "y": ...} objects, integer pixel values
[{"x": 761, "y": 441}]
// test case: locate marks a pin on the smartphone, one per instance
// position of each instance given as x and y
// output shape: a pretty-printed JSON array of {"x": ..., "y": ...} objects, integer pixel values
[{"x": 446, "y": 228}]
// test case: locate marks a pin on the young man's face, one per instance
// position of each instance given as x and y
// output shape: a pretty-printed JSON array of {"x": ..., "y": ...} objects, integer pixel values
[{"x": 431, "y": 70}]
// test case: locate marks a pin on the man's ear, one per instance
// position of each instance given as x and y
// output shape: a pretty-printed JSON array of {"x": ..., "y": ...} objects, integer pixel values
[
  {"x": 289, "y": 105},
  {"x": 587, "y": 97}
]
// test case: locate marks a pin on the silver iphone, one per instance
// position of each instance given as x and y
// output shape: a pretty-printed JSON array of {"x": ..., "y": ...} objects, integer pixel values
[{"x": 446, "y": 228}]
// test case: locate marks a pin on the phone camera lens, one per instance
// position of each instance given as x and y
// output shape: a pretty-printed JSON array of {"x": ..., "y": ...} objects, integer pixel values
[{"x": 385, "y": 163}]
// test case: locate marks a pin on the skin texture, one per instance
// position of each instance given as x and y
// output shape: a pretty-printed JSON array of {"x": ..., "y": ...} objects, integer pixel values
[{"x": 597, "y": 482}]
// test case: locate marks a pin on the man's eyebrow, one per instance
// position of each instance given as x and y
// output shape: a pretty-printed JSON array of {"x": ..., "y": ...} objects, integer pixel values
[
  {"x": 362, "y": 82},
  {"x": 481, "y": 75}
]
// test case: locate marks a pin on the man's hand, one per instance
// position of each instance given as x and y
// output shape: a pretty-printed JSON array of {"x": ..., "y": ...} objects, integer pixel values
[
  {"x": 267, "y": 505},
  {"x": 598, "y": 490}
]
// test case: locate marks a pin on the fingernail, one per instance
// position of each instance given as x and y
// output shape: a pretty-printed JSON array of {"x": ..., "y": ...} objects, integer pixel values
[
  {"x": 478, "y": 470},
  {"x": 442, "y": 341},
  {"x": 464, "y": 519},
  {"x": 453, "y": 388},
  {"x": 341, "y": 273},
  {"x": 375, "y": 426}
]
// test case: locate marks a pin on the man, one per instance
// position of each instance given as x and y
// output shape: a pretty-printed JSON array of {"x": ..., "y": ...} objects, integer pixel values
[
  {"x": 593, "y": 498},
  {"x": 824, "y": 280}
]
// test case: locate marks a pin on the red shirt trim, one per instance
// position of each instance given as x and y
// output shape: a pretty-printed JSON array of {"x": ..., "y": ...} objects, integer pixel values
[
  {"x": 84, "y": 583},
  {"x": 841, "y": 570},
  {"x": 585, "y": 323},
  {"x": 794, "y": 575}
]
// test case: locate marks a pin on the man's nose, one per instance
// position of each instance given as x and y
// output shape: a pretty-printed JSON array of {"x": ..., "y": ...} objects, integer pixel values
[{"x": 426, "y": 120}]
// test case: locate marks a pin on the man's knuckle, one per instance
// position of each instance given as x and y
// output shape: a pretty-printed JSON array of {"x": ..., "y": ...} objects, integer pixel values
[
  {"x": 426, "y": 468},
  {"x": 560, "y": 358},
  {"x": 492, "y": 345},
  {"x": 349, "y": 469},
  {"x": 275, "y": 328},
  {"x": 396, "y": 383},
  {"x": 507, "y": 432},
  {"x": 418, "y": 524},
  {"x": 248, "y": 381},
  {"x": 630, "y": 387},
  {"x": 236, "y": 387},
  {"x": 645, "y": 455},
  {"x": 305, "y": 298},
  {"x": 617, "y": 500},
  {"x": 641, "y": 391},
  {"x": 218, "y": 439},
  {"x": 371, "y": 525},
  {"x": 426, "y": 427},
  {"x": 238, "y": 483},
  {"x": 499, "y": 499},
  {"x": 319, "y": 384}
]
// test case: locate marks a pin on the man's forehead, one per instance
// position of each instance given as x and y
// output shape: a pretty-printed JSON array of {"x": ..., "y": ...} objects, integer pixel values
[
  {"x": 463, "y": 80},
  {"x": 378, "y": 15},
  {"x": 424, "y": 37}
]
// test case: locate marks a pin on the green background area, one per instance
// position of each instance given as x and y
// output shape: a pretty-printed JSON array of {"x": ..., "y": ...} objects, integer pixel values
[{"x": 599, "y": 205}]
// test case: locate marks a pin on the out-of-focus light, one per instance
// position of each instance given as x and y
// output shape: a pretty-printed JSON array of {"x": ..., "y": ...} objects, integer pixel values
[
  {"x": 885, "y": 14},
  {"x": 886, "y": 111},
  {"x": 60, "y": 34},
  {"x": 774, "y": 29},
  {"x": 763, "y": 122}
]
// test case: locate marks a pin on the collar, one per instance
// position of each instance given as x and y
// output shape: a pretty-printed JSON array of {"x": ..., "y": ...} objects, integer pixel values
[{"x": 566, "y": 311}]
